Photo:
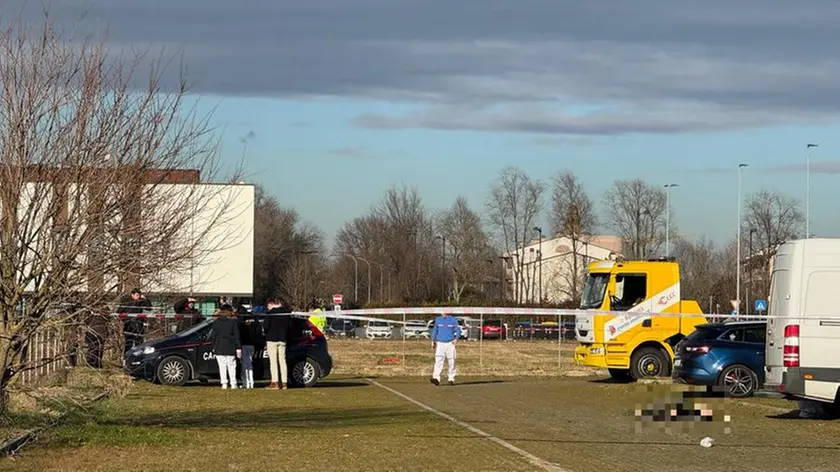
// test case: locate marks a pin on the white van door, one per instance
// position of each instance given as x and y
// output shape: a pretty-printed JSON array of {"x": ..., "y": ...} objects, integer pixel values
[
  {"x": 820, "y": 335},
  {"x": 779, "y": 306}
]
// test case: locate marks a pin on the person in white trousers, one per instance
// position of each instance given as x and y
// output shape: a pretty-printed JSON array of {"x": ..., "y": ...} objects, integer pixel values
[
  {"x": 444, "y": 335},
  {"x": 226, "y": 345}
]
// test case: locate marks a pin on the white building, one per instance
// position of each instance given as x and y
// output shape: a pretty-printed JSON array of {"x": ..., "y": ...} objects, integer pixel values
[{"x": 547, "y": 271}]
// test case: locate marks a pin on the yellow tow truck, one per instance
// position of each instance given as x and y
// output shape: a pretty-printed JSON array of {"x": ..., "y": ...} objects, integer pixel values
[{"x": 633, "y": 345}]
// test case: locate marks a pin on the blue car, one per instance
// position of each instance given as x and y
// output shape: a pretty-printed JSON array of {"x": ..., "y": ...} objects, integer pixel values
[{"x": 729, "y": 355}]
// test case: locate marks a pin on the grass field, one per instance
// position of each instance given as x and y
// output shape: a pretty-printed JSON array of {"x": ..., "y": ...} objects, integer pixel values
[
  {"x": 363, "y": 357},
  {"x": 580, "y": 424}
]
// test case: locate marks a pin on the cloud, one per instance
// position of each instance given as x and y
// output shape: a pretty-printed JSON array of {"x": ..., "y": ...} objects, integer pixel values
[{"x": 650, "y": 66}]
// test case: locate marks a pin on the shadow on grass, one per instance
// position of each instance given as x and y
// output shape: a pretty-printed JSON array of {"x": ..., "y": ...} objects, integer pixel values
[
  {"x": 629, "y": 443},
  {"x": 794, "y": 415},
  {"x": 610, "y": 380}
]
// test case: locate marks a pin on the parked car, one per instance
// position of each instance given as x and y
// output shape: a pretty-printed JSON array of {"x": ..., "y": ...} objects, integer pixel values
[
  {"x": 188, "y": 355},
  {"x": 378, "y": 329},
  {"x": 416, "y": 329},
  {"x": 493, "y": 329},
  {"x": 730, "y": 355},
  {"x": 342, "y": 328}
]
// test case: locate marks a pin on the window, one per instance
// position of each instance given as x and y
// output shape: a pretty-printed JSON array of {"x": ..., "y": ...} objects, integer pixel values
[
  {"x": 703, "y": 334},
  {"x": 630, "y": 290},
  {"x": 755, "y": 335},
  {"x": 734, "y": 335},
  {"x": 593, "y": 291}
]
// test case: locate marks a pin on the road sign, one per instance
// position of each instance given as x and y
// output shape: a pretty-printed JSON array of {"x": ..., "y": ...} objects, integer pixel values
[
  {"x": 338, "y": 298},
  {"x": 761, "y": 305},
  {"x": 734, "y": 313},
  {"x": 735, "y": 304}
]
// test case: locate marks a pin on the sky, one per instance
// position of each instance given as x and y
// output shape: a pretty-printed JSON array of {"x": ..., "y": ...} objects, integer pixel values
[{"x": 332, "y": 102}]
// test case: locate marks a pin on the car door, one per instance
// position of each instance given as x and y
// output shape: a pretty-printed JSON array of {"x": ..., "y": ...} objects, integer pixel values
[
  {"x": 205, "y": 362},
  {"x": 754, "y": 339}
]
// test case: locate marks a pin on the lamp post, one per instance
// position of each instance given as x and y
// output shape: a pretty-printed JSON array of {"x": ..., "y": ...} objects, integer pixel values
[
  {"x": 808, "y": 189},
  {"x": 368, "y": 284},
  {"x": 442, "y": 265},
  {"x": 356, "y": 266},
  {"x": 381, "y": 280},
  {"x": 749, "y": 268},
  {"x": 539, "y": 258},
  {"x": 668, "y": 188},
  {"x": 738, "y": 247}
]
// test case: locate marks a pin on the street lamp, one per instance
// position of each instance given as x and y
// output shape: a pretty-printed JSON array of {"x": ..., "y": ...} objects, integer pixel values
[
  {"x": 738, "y": 247},
  {"x": 356, "y": 279},
  {"x": 442, "y": 265},
  {"x": 381, "y": 280},
  {"x": 808, "y": 189},
  {"x": 668, "y": 188},
  {"x": 539, "y": 257},
  {"x": 368, "y": 284}
]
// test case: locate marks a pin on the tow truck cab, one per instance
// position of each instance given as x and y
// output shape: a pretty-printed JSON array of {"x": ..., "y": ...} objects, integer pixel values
[{"x": 633, "y": 345}]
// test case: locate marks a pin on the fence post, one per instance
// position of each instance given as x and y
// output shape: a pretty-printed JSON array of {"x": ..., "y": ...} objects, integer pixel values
[
  {"x": 403, "y": 340},
  {"x": 481, "y": 344},
  {"x": 559, "y": 342}
]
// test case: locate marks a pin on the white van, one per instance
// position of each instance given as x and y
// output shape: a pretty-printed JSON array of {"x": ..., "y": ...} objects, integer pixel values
[{"x": 803, "y": 343}]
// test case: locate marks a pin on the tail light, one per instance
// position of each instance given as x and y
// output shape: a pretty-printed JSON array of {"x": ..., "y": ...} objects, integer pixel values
[
  {"x": 697, "y": 349},
  {"x": 790, "y": 354}
]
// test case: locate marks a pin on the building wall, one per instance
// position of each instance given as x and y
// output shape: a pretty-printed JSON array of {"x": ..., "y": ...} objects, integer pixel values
[{"x": 557, "y": 267}]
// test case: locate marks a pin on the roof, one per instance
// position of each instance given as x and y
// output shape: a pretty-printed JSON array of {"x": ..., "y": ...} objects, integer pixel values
[{"x": 730, "y": 324}]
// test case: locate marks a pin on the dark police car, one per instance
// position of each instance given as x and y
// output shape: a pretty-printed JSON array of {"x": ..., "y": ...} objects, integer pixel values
[{"x": 188, "y": 355}]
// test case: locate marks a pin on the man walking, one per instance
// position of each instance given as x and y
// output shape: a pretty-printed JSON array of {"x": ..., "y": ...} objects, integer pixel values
[
  {"x": 445, "y": 334},
  {"x": 276, "y": 327}
]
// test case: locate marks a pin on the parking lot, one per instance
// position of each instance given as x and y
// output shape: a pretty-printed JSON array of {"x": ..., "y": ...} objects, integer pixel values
[{"x": 575, "y": 424}]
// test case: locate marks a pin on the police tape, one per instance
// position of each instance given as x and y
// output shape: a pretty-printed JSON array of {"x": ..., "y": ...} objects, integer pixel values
[{"x": 373, "y": 314}]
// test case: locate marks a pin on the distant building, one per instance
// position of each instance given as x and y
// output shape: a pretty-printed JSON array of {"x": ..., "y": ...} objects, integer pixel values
[{"x": 557, "y": 257}]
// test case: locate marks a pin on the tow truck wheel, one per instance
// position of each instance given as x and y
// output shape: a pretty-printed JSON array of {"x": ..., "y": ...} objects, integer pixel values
[
  {"x": 649, "y": 362},
  {"x": 621, "y": 375}
]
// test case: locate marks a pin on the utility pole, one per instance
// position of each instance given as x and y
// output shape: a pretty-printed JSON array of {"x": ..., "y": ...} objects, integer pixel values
[
  {"x": 808, "y": 189},
  {"x": 539, "y": 258},
  {"x": 668, "y": 188},
  {"x": 356, "y": 266},
  {"x": 738, "y": 247}
]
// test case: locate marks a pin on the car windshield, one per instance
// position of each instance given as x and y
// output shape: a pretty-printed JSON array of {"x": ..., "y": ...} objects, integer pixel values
[
  {"x": 194, "y": 329},
  {"x": 492, "y": 323},
  {"x": 378, "y": 324},
  {"x": 415, "y": 323},
  {"x": 594, "y": 290}
]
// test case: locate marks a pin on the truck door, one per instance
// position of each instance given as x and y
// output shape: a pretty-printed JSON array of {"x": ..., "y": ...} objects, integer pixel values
[{"x": 779, "y": 305}]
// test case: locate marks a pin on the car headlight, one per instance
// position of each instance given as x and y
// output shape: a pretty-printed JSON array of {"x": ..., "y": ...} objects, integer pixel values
[{"x": 148, "y": 350}]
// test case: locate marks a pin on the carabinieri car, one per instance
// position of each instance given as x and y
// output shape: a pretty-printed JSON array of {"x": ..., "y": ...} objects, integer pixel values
[{"x": 188, "y": 355}]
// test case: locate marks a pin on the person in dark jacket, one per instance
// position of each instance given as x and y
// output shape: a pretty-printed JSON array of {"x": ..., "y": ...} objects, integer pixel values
[
  {"x": 276, "y": 327},
  {"x": 190, "y": 315},
  {"x": 226, "y": 344},
  {"x": 250, "y": 335},
  {"x": 134, "y": 328}
]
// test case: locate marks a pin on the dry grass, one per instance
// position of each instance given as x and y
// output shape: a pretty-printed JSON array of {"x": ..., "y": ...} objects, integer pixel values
[
  {"x": 61, "y": 392},
  {"x": 387, "y": 358}
]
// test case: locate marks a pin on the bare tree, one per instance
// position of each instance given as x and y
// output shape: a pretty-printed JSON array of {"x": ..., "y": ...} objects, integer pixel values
[
  {"x": 92, "y": 174},
  {"x": 514, "y": 205},
  {"x": 397, "y": 237},
  {"x": 772, "y": 218},
  {"x": 700, "y": 270},
  {"x": 636, "y": 210},
  {"x": 467, "y": 248},
  {"x": 288, "y": 254},
  {"x": 572, "y": 216}
]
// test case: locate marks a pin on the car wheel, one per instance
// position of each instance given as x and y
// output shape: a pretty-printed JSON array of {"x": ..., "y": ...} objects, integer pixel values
[
  {"x": 620, "y": 375},
  {"x": 649, "y": 362},
  {"x": 738, "y": 380},
  {"x": 305, "y": 373},
  {"x": 173, "y": 371}
]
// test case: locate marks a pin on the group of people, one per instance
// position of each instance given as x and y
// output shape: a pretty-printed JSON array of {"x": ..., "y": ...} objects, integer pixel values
[{"x": 236, "y": 336}]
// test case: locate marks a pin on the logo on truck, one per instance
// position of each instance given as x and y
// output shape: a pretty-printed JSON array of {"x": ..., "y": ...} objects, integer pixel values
[
  {"x": 663, "y": 300},
  {"x": 636, "y": 315}
]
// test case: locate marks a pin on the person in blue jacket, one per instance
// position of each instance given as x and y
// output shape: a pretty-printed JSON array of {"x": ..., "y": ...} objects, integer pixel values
[{"x": 445, "y": 334}]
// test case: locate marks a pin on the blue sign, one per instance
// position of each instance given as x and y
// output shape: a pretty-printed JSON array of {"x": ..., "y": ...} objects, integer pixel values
[{"x": 761, "y": 305}]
